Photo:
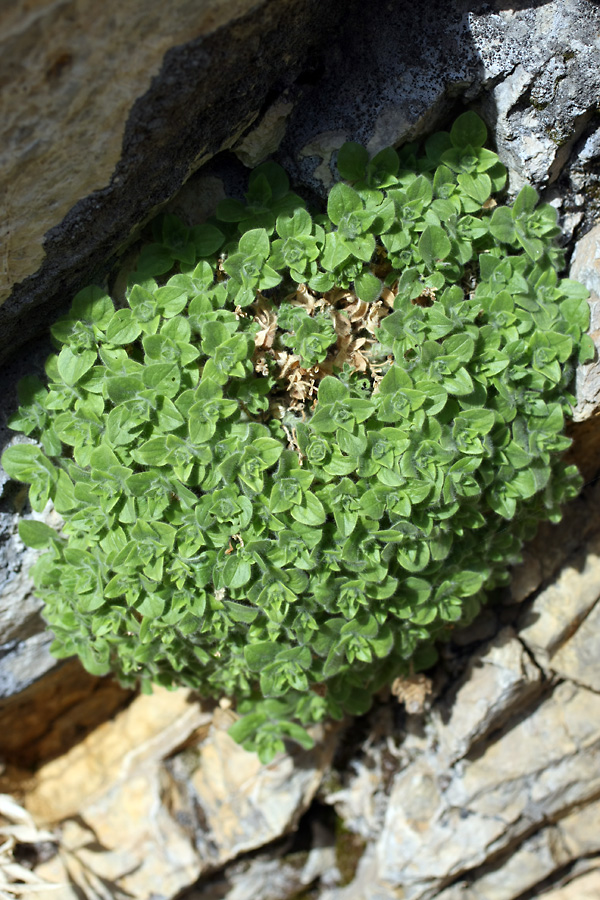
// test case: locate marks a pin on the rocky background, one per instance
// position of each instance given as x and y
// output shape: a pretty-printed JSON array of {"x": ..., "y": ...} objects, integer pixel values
[{"x": 481, "y": 782}]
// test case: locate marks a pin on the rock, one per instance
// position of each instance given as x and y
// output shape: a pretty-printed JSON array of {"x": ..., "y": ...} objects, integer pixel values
[
  {"x": 264, "y": 139},
  {"x": 245, "y": 804},
  {"x": 111, "y": 110},
  {"x": 531, "y": 862},
  {"x": 558, "y": 610},
  {"x": 150, "y": 728},
  {"x": 585, "y": 267},
  {"x": 49, "y": 716},
  {"x": 538, "y": 112},
  {"x": 442, "y": 823},
  {"x": 498, "y": 678},
  {"x": 526, "y": 577},
  {"x": 136, "y": 810},
  {"x": 270, "y": 879},
  {"x": 577, "y": 658},
  {"x": 532, "y": 71},
  {"x": 584, "y": 886},
  {"x": 24, "y": 641}
]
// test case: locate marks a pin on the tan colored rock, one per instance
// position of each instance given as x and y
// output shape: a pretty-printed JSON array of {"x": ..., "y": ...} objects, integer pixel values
[
  {"x": 243, "y": 803},
  {"x": 55, "y": 712},
  {"x": 498, "y": 678},
  {"x": 263, "y": 140},
  {"x": 584, "y": 887},
  {"x": 536, "y": 859},
  {"x": 527, "y": 865},
  {"x": 134, "y": 812},
  {"x": 150, "y": 728},
  {"x": 71, "y": 71},
  {"x": 578, "y": 657},
  {"x": 558, "y": 610}
]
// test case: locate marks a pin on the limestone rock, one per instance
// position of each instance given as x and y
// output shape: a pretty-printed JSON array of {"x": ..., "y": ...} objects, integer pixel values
[
  {"x": 441, "y": 823},
  {"x": 584, "y": 886},
  {"x": 243, "y": 803},
  {"x": 108, "y": 109},
  {"x": 531, "y": 862},
  {"x": 558, "y": 609},
  {"x": 150, "y": 728},
  {"x": 497, "y": 679},
  {"x": 585, "y": 267},
  {"x": 136, "y": 810},
  {"x": 578, "y": 657},
  {"x": 264, "y": 878},
  {"x": 55, "y": 712}
]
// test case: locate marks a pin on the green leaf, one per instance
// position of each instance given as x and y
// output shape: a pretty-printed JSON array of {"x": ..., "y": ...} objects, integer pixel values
[
  {"x": 260, "y": 654},
  {"x": 255, "y": 244},
  {"x": 368, "y": 287},
  {"x": 342, "y": 201},
  {"x": 36, "y": 534},
  {"x": 525, "y": 202},
  {"x": 23, "y": 461},
  {"x": 502, "y": 227},
  {"x": 73, "y": 366},
  {"x": 434, "y": 245},
  {"x": 123, "y": 327},
  {"x": 310, "y": 512},
  {"x": 468, "y": 131},
  {"x": 352, "y": 161},
  {"x": 206, "y": 239}
]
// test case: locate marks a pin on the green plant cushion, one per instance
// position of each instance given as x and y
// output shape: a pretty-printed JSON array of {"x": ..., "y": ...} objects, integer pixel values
[{"x": 309, "y": 443}]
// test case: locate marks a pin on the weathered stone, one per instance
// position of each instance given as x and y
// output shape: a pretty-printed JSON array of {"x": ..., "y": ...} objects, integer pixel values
[
  {"x": 579, "y": 887},
  {"x": 440, "y": 824},
  {"x": 150, "y": 728},
  {"x": 578, "y": 657},
  {"x": 243, "y": 803},
  {"x": 498, "y": 678},
  {"x": 536, "y": 859},
  {"x": 108, "y": 110},
  {"x": 526, "y": 577},
  {"x": 55, "y": 712},
  {"x": 558, "y": 610},
  {"x": 528, "y": 864},
  {"x": 24, "y": 641},
  {"x": 538, "y": 112},
  {"x": 134, "y": 812},
  {"x": 585, "y": 267},
  {"x": 532, "y": 70},
  {"x": 263, "y": 140},
  {"x": 270, "y": 879}
]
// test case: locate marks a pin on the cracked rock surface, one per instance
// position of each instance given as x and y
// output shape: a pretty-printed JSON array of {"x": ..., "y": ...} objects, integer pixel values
[{"x": 492, "y": 790}]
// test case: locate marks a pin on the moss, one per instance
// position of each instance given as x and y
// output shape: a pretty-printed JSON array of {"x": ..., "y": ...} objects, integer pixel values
[{"x": 349, "y": 848}]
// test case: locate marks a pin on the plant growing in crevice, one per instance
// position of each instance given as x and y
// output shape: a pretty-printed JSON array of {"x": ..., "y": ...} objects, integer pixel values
[{"x": 309, "y": 443}]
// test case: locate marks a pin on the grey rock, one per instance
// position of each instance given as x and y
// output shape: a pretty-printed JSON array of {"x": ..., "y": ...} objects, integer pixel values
[
  {"x": 577, "y": 659},
  {"x": 23, "y": 662},
  {"x": 498, "y": 678},
  {"x": 585, "y": 267},
  {"x": 24, "y": 640},
  {"x": 440, "y": 824},
  {"x": 534, "y": 860},
  {"x": 532, "y": 71},
  {"x": 557, "y": 610}
]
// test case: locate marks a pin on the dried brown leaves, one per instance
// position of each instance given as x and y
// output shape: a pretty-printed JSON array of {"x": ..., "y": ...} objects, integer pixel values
[
  {"x": 413, "y": 691},
  {"x": 355, "y": 323}
]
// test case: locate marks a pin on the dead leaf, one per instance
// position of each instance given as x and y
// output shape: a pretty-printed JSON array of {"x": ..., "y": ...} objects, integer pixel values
[{"x": 413, "y": 691}]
